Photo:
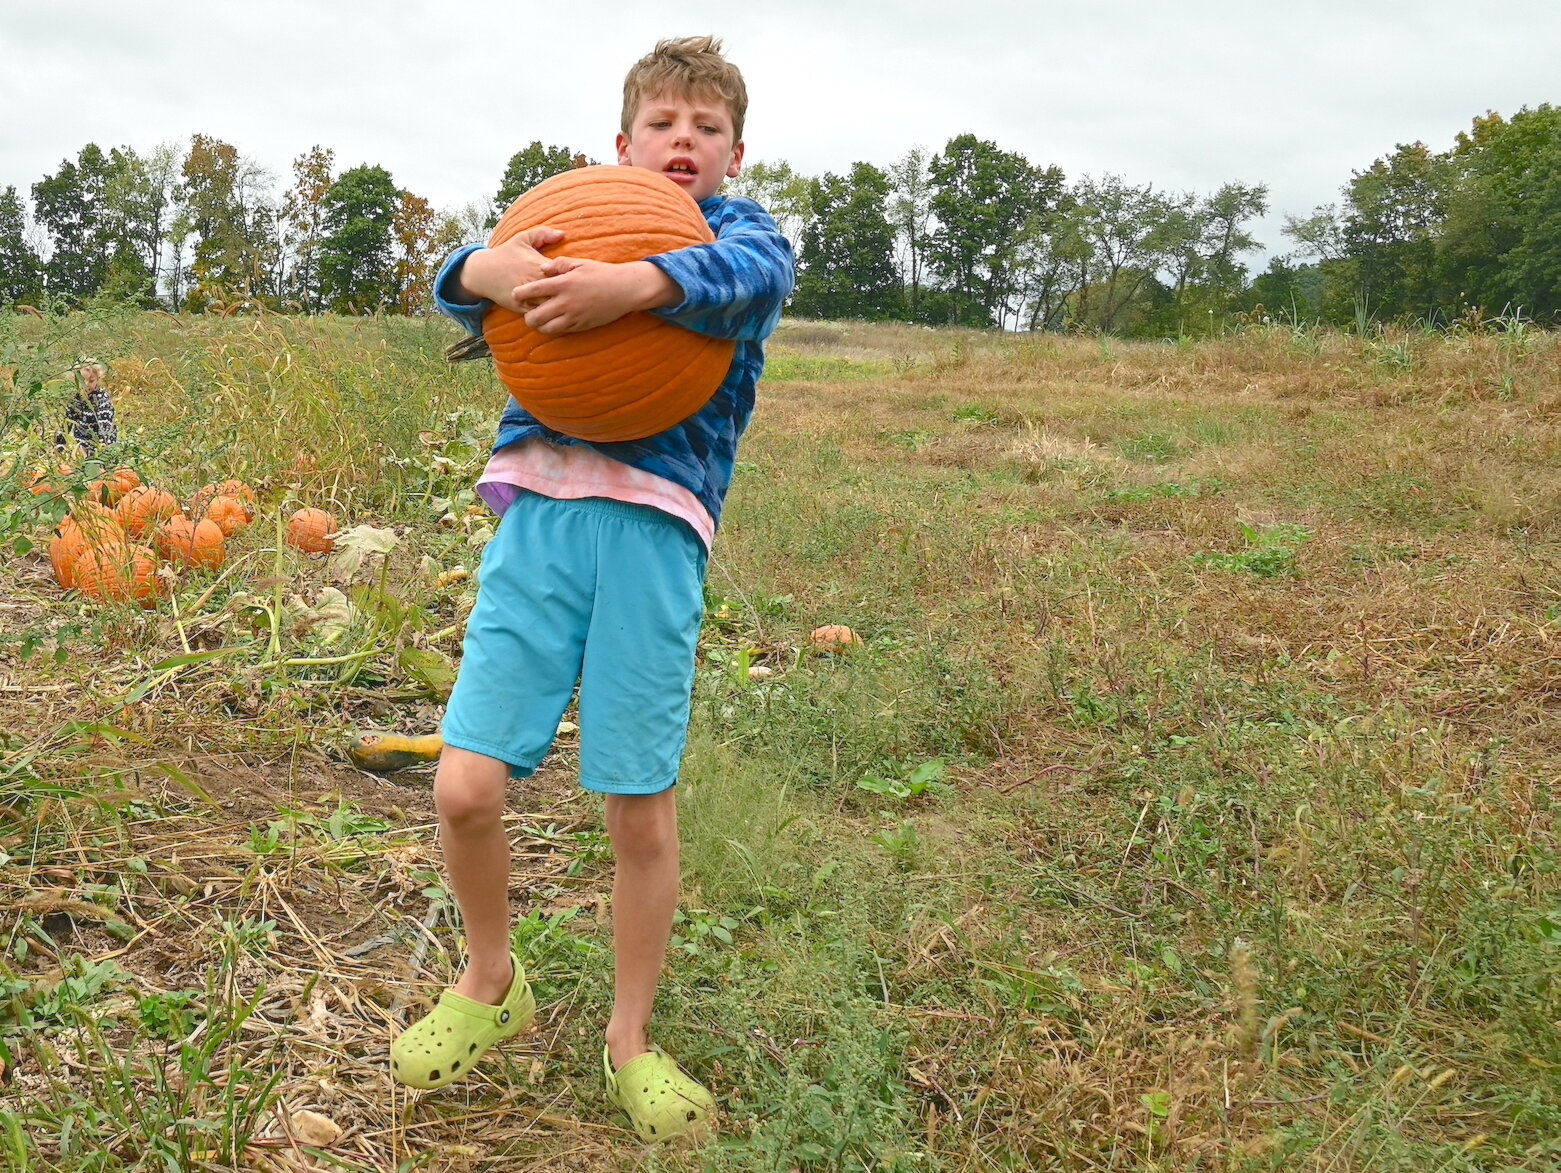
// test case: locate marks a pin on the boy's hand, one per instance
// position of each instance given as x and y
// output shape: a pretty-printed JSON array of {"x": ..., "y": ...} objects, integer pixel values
[
  {"x": 493, "y": 273},
  {"x": 576, "y": 294}
]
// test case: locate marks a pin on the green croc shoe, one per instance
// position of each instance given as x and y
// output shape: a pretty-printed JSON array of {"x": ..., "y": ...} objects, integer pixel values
[
  {"x": 444, "y": 1045},
  {"x": 660, "y": 1100}
]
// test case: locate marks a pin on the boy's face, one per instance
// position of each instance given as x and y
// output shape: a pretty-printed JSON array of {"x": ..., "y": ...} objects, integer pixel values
[{"x": 687, "y": 139}]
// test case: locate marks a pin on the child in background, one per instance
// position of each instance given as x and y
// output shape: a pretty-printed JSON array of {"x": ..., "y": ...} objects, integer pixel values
[
  {"x": 90, "y": 412},
  {"x": 596, "y": 575}
]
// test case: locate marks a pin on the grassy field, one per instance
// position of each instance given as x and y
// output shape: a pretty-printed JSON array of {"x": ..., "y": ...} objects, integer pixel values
[{"x": 1191, "y": 804}]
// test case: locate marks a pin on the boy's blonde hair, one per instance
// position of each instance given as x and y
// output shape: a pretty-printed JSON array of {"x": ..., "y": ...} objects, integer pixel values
[{"x": 687, "y": 67}]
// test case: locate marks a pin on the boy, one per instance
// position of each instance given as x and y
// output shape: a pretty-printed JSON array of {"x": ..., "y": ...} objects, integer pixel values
[
  {"x": 90, "y": 413},
  {"x": 597, "y": 573}
]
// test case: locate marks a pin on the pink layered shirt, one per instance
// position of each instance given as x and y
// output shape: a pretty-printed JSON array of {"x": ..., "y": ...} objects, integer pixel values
[{"x": 571, "y": 472}]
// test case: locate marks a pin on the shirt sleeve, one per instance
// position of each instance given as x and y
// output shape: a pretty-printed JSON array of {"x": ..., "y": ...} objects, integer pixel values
[
  {"x": 468, "y": 314},
  {"x": 734, "y": 288}
]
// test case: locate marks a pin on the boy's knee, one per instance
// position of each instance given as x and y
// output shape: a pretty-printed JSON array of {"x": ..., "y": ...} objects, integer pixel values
[
  {"x": 467, "y": 798},
  {"x": 643, "y": 828}
]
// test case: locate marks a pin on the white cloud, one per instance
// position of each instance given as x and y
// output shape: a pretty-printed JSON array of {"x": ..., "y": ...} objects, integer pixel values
[{"x": 1185, "y": 96}]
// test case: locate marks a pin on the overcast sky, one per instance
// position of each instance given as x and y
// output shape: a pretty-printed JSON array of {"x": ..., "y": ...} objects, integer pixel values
[{"x": 1185, "y": 96}]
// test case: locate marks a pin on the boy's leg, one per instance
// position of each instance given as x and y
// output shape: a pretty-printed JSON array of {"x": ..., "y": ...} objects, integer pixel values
[
  {"x": 469, "y": 793},
  {"x": 644, "y": 833}
]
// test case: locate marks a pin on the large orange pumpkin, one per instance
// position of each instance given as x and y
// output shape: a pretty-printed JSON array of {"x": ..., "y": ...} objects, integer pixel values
[
  {"x": 236, "y": 489},
  {"x": 190, "y": 543},
  {"x": 229, "y": 513},
  {"x": 145, "y": 507},
  {"x": 112, "y": 488},
  {"x": 114, "y": 570},
  {"x": 631, "y": 378},
  {"x": 87, "y": 524}
]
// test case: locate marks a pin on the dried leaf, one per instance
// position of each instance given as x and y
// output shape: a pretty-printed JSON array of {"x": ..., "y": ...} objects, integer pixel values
[
  {"x": 356, "y": 544},
  {"x": 314, "y": 1128}
]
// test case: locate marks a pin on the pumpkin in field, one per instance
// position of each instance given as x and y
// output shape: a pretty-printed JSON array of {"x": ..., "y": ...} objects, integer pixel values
[
  {"x": 227, "y": 513},
  {"x": 145, "y": 507},
  {"x": 190, "y": 543},
  {"x": 236, "y": 489},
  {"x": 834, "y": 637},
  {"x": 111, "y": 489},
  {"x": 47, "y": 484},
  {"x": 630, "y": 378},
  {"x": 117, "y": 571},
  {"x": 312, "y": 531},
  {"x": 88, "y": 524}
]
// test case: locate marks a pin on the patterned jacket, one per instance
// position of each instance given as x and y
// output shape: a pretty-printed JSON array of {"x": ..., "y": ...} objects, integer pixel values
[
  {"x": 90, "y": 415},
  {"x": 733, "y": 289}
]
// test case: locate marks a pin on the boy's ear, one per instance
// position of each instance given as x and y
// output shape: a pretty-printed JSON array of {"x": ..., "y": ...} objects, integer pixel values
[
  {"x": 735, "y": 167},
  {"x": 622, "y": 143}
]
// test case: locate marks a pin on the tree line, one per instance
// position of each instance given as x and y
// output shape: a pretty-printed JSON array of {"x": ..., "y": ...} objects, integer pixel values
[
  {"x": 970, "y": 235},
  {"x": 1473, "y": 231}
]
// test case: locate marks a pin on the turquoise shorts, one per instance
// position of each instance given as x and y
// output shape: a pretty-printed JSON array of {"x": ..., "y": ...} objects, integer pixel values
[{"x": 603, "y": 593}]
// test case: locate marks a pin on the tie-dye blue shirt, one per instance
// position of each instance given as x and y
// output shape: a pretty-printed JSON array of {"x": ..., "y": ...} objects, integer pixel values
[{"x": 733, "y": 289}]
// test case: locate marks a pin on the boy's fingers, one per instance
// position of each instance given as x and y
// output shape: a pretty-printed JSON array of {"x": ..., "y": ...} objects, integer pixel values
[{"x": 539, "y": 237}]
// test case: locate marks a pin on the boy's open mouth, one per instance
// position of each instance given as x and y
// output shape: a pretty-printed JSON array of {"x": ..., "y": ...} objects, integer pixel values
[{"x": 680, "y": 168}]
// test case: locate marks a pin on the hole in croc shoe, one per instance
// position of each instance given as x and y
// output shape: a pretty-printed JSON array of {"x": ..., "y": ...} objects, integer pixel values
[
  {"x": 456, "y": 1066},
  {"x": 471, "y": 1048},
  {"x": 434, "y": 1074},
  {"x": 692, "y": 1116}
]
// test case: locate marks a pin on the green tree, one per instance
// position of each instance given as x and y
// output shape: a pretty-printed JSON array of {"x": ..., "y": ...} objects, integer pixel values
[
  {"x": 1200, "y": 242},
  {"x": 1053, "y": 264},
  {"x": 1394, "y": 211},
  {"x": 1127, "y": 230},
  {"x": 70, "y": 205},
  {"x": 21, "y": 271},
  {"x": 910, "y": 211},
  {"x": 982, "y": 199},
  {"x": 303, "y": 218},
  {"x": 140, "y": 198},
  {"x": 846, "y": 268},
  {"x": 529, "y": 167},
  {"x": 782, "y": 192},
  {"x": 357, "y": 251},
  {"x": 1501, "y": 219}
]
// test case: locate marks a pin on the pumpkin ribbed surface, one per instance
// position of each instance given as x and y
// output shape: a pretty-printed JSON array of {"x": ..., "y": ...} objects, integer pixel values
[
  {"x": 630, "y": 378},
  {"x": 190, "y": 543},
  {"x": 312, "y": 531}
]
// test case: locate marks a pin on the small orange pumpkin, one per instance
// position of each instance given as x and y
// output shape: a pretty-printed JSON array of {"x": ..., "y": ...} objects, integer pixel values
[
  {"x": 145, "y": 507},
  {"x": 834, "y": 637},
  {"x": 46, "y": 484},
  {"x": 630, "y": 378},
  {"x": 190, "y": 543},
  {"x": 228, "y": 513},
  {"x": 114, "y": 570},
  {"x": 312, "y": 530}
]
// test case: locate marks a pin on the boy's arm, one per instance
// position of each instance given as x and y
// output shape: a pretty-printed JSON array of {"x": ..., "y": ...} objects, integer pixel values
[
  {"x": 577, "y": 294},
  {"x": 734, "y": 288},
  {"x": 474, "y": 278}
]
